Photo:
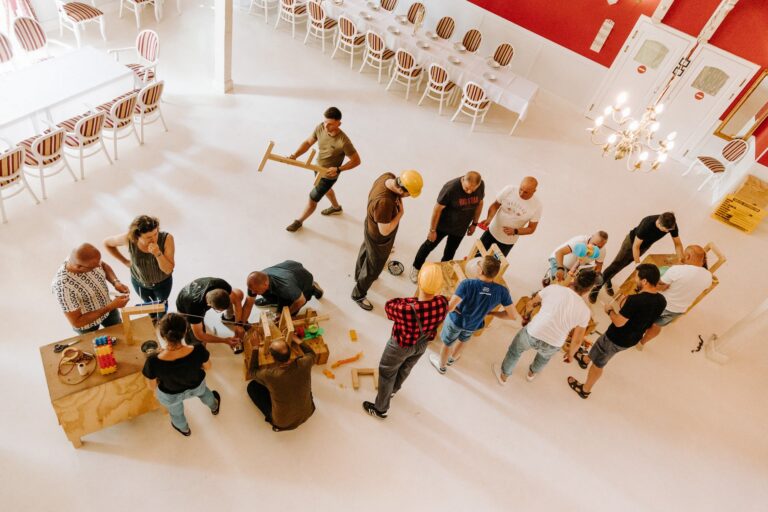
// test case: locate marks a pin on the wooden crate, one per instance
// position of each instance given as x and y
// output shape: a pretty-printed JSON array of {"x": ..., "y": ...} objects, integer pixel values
[
  {"x": 101, "y": 400},
  {"x": 745, "y": 208}
]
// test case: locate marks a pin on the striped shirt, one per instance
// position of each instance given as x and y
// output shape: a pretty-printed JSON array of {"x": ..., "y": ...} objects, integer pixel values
[
  {"x": 144, "y": 266},
  {"x": 84, "y": 292}
]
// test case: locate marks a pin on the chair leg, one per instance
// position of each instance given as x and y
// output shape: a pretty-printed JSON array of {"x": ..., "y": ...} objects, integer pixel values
[
  {"x": 336, "y": 49},
  {"x": 440, "y": 108},
  {"x": 76, "y": 30},
  {"x": 102, "y": 28},
  {"x": 162, "y": 119},
  {"x": 135, "y": 133},
  {"x": 424, "y": 96},
  {"x": 157, "y": 10},
  {"x": 278, "y": 19},
  {"x": 306, "y": 37},
  {"x": 141, "y": 135},
  {"x": 381, "y": 66},
  {"x": 2, "y": 210},
  {"x": 407, "y": 90},
  {"x": 293, "y": 29},
  {"x": 69, "y": 169},
  {"x": 178, "y": 6},
  {"x": 704, "y": 183},
  {"x": 390, "y": 80},
  {"x": 474, "y": 120},
  {"x": 690, "y": 167},
  {"x": 29, "y": 189},
  {"x": 82, "y": 165},
  {"x": 458, "y": 111},
  {"x": 42, "y": 182},
  {"x": 61, "y": 25},
  {"x": 365, "y": 57},
  {"x": 120, "y": 15},
  {"x": 136, "y": 13},
  {"x": 104, "y": 147}
]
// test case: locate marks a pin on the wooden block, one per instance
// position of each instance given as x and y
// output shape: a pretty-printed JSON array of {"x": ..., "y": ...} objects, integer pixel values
[
  {"x": 267, "y": 153},
  {"x": 357, "y": 372},
  {"x": 352, "y": 335},
  {"x": 143, "y": 309},
  {"x": 320, "y": 349}
]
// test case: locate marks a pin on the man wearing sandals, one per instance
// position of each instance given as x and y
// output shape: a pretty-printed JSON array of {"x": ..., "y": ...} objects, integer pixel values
[
  {"x": 628, "y": 326},
  {"x": 333, "y": 146}
]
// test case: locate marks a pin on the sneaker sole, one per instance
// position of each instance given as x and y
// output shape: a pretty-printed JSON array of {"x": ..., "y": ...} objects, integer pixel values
[{"x": 335, "y": 212}]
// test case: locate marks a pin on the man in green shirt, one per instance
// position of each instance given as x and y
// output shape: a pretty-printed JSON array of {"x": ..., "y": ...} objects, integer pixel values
[{"x": 333, "y": 146}]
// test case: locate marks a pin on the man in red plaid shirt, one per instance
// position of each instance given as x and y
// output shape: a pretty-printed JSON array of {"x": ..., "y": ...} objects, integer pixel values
[{"x": 416, "y": 321}]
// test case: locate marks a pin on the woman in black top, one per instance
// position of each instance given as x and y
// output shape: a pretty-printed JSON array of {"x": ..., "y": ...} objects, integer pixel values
[{"x": 177, "y": 372}]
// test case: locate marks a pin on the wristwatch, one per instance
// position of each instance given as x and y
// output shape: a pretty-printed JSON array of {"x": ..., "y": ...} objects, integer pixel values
[{"x": 516, "y": 232}]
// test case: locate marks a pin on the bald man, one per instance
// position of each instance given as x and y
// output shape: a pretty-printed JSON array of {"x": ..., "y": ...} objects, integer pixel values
[
  {"x": 458, "y": 208},
  {"x": 80, "y": 287},
  {"x": 681, "y": 285},
  {"x": 285, "y": 284},
  {"x": 515, "y": 213},
  {"x": 284, "y": 392}
]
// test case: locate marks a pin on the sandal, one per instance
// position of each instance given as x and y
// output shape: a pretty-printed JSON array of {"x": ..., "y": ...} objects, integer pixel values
[
  {"x": 578, "y": 387},
  {"x": 579, "y": 357}
]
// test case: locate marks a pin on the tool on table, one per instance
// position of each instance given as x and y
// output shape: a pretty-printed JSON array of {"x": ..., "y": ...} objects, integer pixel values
[{"x": 59, "y": 347}]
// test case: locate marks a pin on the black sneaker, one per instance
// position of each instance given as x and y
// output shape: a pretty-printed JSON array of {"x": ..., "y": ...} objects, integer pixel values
[
  {"x": 185, "y": 434},
  {"x": 293, "y": 226},
  {"x": 216, "y": 395},
  {"x": 609, "y": 289},
  {"x": 332, "y": 211},
  {"x": 262, "y": 302},
  {"x": 593, "y": 295},
  {"x": 371, "y": 409},
  {"x": 364, "y": 303},
  {"x": 316, "y": 290}
]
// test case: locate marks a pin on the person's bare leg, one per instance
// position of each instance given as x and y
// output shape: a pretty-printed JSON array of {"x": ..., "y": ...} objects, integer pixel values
[
  {"x": 445, "y": 351},
  {"x": 457, "y": 351},
  {"x": 331, "y": 195},
  {"x": 593, "y": 375},
  {"x": 309, "y": 210},
  {"x": 653, "y": 331}
]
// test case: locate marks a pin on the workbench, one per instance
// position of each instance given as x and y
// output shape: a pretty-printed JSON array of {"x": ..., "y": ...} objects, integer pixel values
[{"x": 101, "y": 401}]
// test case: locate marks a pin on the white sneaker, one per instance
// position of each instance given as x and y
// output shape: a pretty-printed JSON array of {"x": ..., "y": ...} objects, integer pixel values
[
  {"x": 414, "y": 275},
  {"x": 497, "y": 373},
  {"x": 452, "y": 360},
  {"x": 435, "y": 360}
]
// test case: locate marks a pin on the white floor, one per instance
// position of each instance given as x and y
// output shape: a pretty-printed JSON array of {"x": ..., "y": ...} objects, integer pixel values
[{"x": 664, "y": 430}]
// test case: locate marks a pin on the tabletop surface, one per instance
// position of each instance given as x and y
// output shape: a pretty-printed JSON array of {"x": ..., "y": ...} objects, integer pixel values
[{"x": 130, "y": 359}]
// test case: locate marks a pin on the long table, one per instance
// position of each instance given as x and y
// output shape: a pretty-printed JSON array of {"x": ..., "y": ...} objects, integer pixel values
[{"x": 502, "y": 86}]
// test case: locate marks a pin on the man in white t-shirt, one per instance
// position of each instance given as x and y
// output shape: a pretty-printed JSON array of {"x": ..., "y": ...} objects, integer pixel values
[
  {"x": 583, "y": 251},
  {"x": 514, "y": 213},
  {"x": 681, "y": 285},
  {"x": 562, "y": 309}
]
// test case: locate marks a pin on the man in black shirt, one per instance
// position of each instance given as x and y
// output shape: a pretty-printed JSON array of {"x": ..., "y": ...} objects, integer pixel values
[
  {"x": 285, "y": 284},
  {"x": 627, "y": 327},
  {"x": 650, "y": 230},
  {"x": 205, "y": 293},
  {"x": 459, "y": 205}
]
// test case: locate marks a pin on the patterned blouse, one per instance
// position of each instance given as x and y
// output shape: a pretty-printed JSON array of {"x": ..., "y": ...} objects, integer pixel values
[{"x": 85, "y": 291}]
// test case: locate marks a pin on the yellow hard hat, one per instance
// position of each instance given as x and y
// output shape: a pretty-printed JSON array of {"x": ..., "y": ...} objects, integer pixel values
[
  {"x": 431, "y": 278},
  {"x": 412, "y": 182}
]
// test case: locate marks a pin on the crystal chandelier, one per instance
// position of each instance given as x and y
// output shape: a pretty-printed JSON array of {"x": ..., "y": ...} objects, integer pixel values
[{"x": 635, "y": 139}]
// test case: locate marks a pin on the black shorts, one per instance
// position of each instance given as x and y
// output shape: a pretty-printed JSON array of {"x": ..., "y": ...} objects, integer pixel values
[
  {"x": 603, "y": 350},
  {"x": 322, "y": 188}
]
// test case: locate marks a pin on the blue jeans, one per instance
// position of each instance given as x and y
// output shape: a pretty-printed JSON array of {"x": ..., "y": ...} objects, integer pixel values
[
  {"x": 113, "y": 318},
  {"x": 175, "y": 403},
  {"x": 522, "y": 342},
  {"x": 451, "y": 332},
  {"x": 157, "y": 293}
]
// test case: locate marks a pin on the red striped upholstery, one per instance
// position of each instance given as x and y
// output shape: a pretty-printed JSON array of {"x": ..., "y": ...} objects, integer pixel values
[
  {"x": 6, "y": 51},
  {"x": 414, "y": 10},
  {"x": 89, "y": 130},
  {"x": 318, "y": 18},
  {"x": 145, "y": 74},
  {"x": 10, "y": 164},
  {"x": 120, "y": 110},
  {"x": 406, "y": 63},
  {"x": 107, "y": 107},
  {"x": 713, "y": 164},
  {"x": 48, "y": 146},
  {"x": 475, "y": 95},
  {"x": 376, "y": 46},
  {"x": 348, "y": 32},
  {"x": 148, "y": 45},
  {"x": 734, "y": 150},
  {"x": 388, "y": 5},
  {"x": 472, "y": 40},
  {"x": 30, "y": 34},
  {"x": 70, "y": 123},
  {"x": 292, "y": 7},
  {"x": 149, "y": 98},
  {"x": 503, "y": 54},
  {"x": 438, "y": 77},
  {"x": 445, "y": 27},
  {"x": 78, "y": 11}
]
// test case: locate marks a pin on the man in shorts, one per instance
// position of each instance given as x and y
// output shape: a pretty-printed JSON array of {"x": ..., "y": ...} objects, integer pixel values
[{"x": 333, "y": 146}]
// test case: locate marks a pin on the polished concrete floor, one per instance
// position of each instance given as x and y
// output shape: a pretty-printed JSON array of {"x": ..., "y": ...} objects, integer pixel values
[{"x": 664, "y": 430}]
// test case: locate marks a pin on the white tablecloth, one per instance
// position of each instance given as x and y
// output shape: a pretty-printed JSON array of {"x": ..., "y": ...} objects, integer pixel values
[{"x": 509, "y": 90}]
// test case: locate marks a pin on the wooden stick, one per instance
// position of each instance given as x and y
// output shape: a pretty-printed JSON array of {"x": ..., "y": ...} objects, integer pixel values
[
  {"x": 269, "y": 155},
  {"x": 348, "y": 360}
]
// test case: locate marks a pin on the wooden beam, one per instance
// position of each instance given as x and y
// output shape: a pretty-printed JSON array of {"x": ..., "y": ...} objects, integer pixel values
[{"x": 357, "y": 372}]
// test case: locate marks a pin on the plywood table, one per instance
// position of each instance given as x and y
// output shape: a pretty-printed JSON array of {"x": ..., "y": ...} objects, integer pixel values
[{"x": 101, "y": 400}]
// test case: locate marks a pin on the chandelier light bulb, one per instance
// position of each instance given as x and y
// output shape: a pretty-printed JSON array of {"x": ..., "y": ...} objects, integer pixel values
[
  {"x": 643, "y": 156},
  {"x": 626, "y": 112},
  {"x": 658, "y": 109},
  {"x": 608, "y": 111},
  {"x": 670, "y": 144},
  {"x": 672, "y": 136},
  {"x": 621, "y": 99},
  {"x": 654, "y": 127},
  {"x": 599, "y": 121},
  {"x": 634, "y": 125},
  {"x": 661, "y": 158},
  {"x": 612, "y": 138}
]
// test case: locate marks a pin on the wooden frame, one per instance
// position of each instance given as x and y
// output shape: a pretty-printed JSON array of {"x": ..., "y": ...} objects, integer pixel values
[
  {"x": 127, "y": 312},
  {"x": 357, "y": 372},
  {"x": 762, "y": 113},
  {"x": 269, "y": 155}
]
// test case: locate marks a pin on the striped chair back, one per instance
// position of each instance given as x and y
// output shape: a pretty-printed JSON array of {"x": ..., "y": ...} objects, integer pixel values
[
  {"x": 347, "y": 29},
  {"x": 438, "y": 75},
  {"x": 503, "y": 54},
  {"x": 29, "y": 34},
  {"x": 316, "y": 13},
  {"x": 374, "y": 42},
  {"x": 735, "y": 150},
  {"x": 388, "y": 5},
  {"x": 405, "y": 61},
  {"x": 148, "y": 45},
  {"x": 472, "y": 40},
  {"x": 288, "y": 5},
  {"x": 6, "y": 51},
  {"x": 47, "y": 148},
  {"x": 149, "y": 97},
  {"x": 10, "y": 165},
  {"x": 416, "y": 11},
  {"x": 474, "y": 93},
  {"x": 445, "y": 27},
  {"x": 90, "y": 127},
  {"x": 122, "y": 111}
]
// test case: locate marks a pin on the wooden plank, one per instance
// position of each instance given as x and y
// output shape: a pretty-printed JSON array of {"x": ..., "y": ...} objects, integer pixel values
[
  {"x": 266, "y": 156},
  {"x": 357, "y": 372}
]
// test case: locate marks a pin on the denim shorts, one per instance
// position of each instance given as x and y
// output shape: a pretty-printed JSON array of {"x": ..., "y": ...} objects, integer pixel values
[
  {"x": 666, "y": 318},
  {"x": 450, "y": 332},
  {"x": 322, "y": 188},
  {"x": 603, "y": 350}
]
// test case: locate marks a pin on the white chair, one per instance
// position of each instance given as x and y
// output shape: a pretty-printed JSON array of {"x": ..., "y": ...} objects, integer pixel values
[
  {"x": 716, "y": 170},
  {"x": 406, "y": 72},
  {"x": 32, "y": 39},
  {"x": 503, "y": 54},
  {"x": 439, "y": 87},
  {"x": 119, "y": 121},
  {"x": 377, "y": 55},
  {"x": 75, "y": 15},
  {"x": 264, "y": 6},
  {"x": 12, "y": 178},
  {"x": 147, "y": 50},
  {"x": 147, "y": 109},
  {"x": 474, "y": 103},
  {"x": 348, "y": 40},
  {"x": 472, "y": 39},
  {"x": 319, "y": 25},
  {"x": 44, "y": 156},
  {"x": 137, "y": 6},
  {"x": 84, "y": 137},
  {"x": 292, "y": 12}
]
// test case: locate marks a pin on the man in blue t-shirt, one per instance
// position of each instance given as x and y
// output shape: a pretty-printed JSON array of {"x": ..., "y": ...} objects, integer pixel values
[{"x": 471, "y": 302}]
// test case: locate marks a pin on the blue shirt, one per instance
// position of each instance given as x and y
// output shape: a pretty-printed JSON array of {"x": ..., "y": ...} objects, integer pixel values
[{"x": 478, "y": 298}]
